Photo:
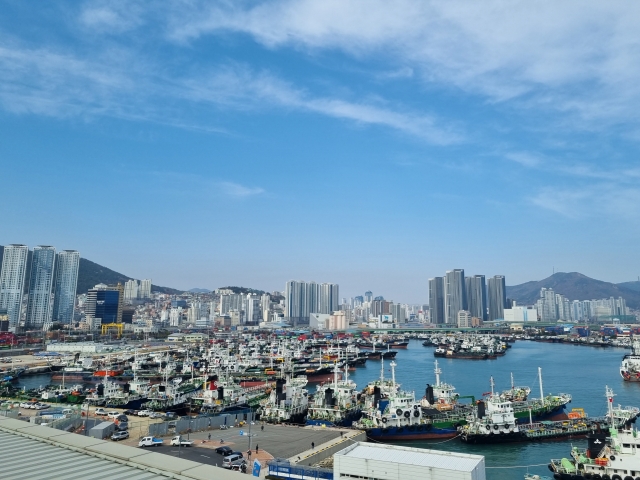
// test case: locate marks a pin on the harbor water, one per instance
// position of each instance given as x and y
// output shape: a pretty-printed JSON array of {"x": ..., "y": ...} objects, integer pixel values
[{"x": 579, "y": 370}]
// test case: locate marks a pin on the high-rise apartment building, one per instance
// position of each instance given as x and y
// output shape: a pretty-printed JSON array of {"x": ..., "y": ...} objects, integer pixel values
[
  {"x": 328, "y": 301},
  {"x": 12, "y": 278},
  {"x": 497, "y": 293},
  {"x": 131, "y": 290},
  {"x": 476, "y": 296},
  {"x": 39, "y": 302},
  {"x": 455, "y": 295},
  {"x": 144, "y": 291},
  {"x": 436, "y": 300},
  {"x": 67, "y": 266},
  {"x": 302, "y": 299},
  {"x": 296, "y": 302}
]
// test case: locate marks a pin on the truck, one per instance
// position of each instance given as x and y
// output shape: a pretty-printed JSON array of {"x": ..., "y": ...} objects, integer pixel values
[
  {"x": 150, "y": 442},
  {"x": 178, "y": 441}
]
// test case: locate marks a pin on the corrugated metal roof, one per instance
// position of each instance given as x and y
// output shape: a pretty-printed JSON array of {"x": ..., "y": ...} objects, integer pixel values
[
  {"x": 414, "y": 456},
  {"x": 25, "y": 458},
  {"x": 33, "y": 452}
]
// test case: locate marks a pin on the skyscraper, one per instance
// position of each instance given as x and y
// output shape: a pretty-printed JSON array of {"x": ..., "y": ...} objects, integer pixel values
[
  {"x": 67, "y": 265},
  {"x": 328, "y": 301},
  {"x": 455, "y": 295},
  {"x": 296, "y": 306},
  {"x": 39, "y": 305},
  {"x": 436, "y": 300},
  {"x": 12, "y": 278},
  {"x": 131, "y": 289},
  {"x": 476, "y": 296},
  {"x": 497, "y": 293},
  {"x": 145, "y": 288}
]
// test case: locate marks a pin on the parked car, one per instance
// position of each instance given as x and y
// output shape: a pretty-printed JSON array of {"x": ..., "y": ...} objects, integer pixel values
[
  {"x": 122, "y": 418},
  {"x": 155, "y": 415},
  {"x": 122, "y": 426},
  {"x": 130, "y": 412},
  {"x": 224, "y": 450},
  {"x": 120, "y": 435},
  {"x": 113, "y": 415},
  {"x": 170, "y": 415},
  {"x": 234, "y": 458},
  {"x": 100, "y": 411},
  {"x": 144, "y": 413},
  {"x": 25, "y": 405},
  {"x": 41, "y": 406}
]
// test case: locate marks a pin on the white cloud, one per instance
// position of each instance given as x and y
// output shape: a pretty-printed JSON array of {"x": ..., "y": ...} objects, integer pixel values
[
  {"x": 112, "y": 16},
  {"x": 525, "y": 159},
  {"x": 239, "y": 191},
  {"x": 567, "y": 56}
]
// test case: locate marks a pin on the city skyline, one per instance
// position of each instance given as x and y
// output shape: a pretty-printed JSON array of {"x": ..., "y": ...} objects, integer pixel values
[{"x": 249, "y": 143}]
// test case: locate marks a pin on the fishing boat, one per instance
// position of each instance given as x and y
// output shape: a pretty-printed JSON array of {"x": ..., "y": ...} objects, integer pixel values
[
  {"x": 496, "y": 423},
  {"x": 395, "y": 415},
  {"x": 611, "y": 454},
  {"x": 288, "y": 402},
  {"x": 630, "y": 365},
  {"x": 335, "y": 403}
]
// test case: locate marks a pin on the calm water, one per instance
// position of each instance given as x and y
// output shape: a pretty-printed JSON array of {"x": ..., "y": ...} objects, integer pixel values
[{"x": 581, "y": 371}]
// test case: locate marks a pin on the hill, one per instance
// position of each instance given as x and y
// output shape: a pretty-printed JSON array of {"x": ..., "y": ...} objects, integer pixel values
[
  {"x": 90, "y": 274},
  {"x": 574, "y": 286},
  {"x": 631, "y": 285}
]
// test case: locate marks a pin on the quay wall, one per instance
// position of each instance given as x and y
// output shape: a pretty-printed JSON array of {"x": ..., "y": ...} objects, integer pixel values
[{"x": 326, "y": 450}]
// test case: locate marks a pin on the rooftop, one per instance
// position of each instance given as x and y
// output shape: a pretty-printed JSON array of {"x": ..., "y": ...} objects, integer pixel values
[{"x": 413, "y": 456}]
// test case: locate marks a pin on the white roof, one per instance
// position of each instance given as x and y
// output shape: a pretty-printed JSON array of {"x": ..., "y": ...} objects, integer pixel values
[{"x": 414, "y": 456}]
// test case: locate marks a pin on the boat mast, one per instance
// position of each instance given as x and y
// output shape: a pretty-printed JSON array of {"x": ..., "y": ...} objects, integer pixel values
[
  {"x": 512, "y": 384},
  {"x": 437, "y": 372},
  {"x": 540, "y": 379},
  {"x": 393, "y": 375},
  {"x": 609, "y": 394},
  {"x": 492, "y": 385}
]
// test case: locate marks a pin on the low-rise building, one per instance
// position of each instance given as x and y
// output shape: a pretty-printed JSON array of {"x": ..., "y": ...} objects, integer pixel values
[{"x": 390, "y": 462}]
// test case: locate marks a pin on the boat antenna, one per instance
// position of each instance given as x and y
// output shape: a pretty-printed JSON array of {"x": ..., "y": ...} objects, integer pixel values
[
  {"x": 540, "y": 379},
  {"x": 381, "y": 369},
  {"x": 335, "y": 375},
  {"x": 437, "y": 372},
  {"x": 492, "y": 385},
  {"x": 512, "y": 384}
]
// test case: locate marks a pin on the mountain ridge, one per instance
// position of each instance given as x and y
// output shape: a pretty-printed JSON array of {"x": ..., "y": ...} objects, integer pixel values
[{"x": 574, "y": 286}]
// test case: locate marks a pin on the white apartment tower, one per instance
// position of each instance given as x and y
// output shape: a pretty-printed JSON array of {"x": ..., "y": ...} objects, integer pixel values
[
  {"x": 145, "y": 288},
  {"x": 67, "y": 266},
  {"x": 39, "y": 304},
  {"x": 131, "y": 290},
  {"x": 12, "y": 277}
]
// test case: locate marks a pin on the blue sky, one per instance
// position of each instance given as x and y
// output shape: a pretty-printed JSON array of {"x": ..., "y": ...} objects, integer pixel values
[{"x": 370, "y": 143}]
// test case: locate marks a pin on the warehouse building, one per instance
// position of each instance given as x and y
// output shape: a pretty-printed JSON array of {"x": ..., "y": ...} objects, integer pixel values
[{"x": 369, "y": 461}]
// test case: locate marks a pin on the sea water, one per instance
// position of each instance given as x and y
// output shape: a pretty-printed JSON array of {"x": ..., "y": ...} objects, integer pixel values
[{"x": 579, "y": 370}]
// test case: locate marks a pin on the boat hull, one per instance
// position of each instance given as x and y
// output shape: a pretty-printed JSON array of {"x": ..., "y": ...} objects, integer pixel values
[{"x": 420, "y": 432}]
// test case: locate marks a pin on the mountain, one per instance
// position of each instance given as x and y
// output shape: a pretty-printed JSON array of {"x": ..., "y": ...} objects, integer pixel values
[
  {"x": 199, "y": 290},
  {"x": 635, "y": 285},
  {"x": 574, "y": 286},
  {"x": 90, "y": 274}
]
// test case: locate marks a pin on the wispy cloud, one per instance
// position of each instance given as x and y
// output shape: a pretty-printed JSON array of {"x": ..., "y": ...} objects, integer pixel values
[
  {"x": 603, "y": 200},
  {"x": 524, "y": 158},
  {"x": 49, "y": 82},
  {"x": 201, "y": 185},
  {"x": 240, "y": 191},
  {"x": 502, "y": 50}
]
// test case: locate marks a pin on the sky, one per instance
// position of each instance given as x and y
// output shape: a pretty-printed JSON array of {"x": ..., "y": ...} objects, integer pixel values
[{"x": 373, "y": 144}]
